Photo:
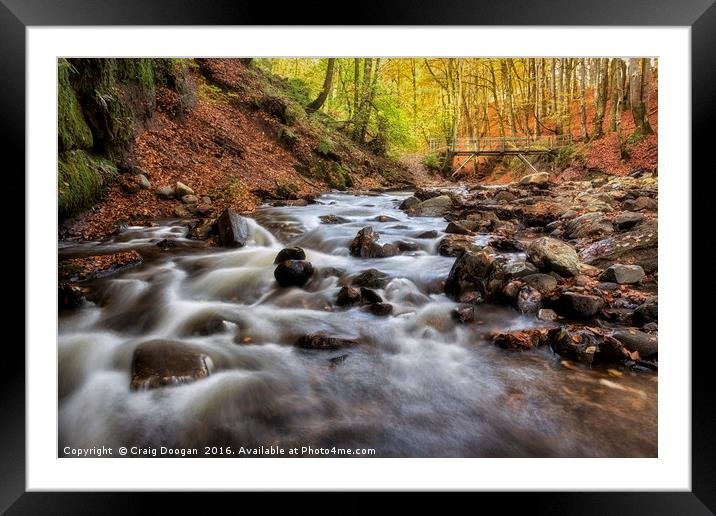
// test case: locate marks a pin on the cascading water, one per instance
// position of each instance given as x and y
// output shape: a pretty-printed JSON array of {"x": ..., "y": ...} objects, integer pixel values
[{"x": 417, "y": 384}]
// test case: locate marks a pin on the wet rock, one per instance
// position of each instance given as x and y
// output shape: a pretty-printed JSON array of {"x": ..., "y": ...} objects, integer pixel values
[
  {"x": 519, "y": 269},
  {"x": 365, "y": 245},
  {"x": 580, "y": 306},
  {"x": 540, "y": 178},
  {"x": 647, "y": 312},
  {"x": 333, "y": 219},
  {"x": 511, "y": 290},
  {"x": 464, "y": 314},
  {"x": 453, "y": 245},
  {"x": 475, "y": 273},
  {"x": 623, "y": 274},
  {"x": 371, "y": 278},
  {"x": 406, "y": 247},
  {"x": 160, "y": 363},
  {"x": 587, "y": 346},
  {"x": 638, "y": 246},
  {"x": 385, "y": 218},
  {"x": 190, "y": 199},
  {"x": 650, "y": 327},
  {"x": 554, "y": 255},
  {"x": 336, "y": 361},
  {"x": 423, "y": 194},
  {"x": 164, "y": 192},
  {"x": 456, "y": 229},
  {"x": 293, "y": 273},
  {"x": 323, "y": 341},
  {"x": 543, "y": 283},
  {"x": 96, "y": 266},
  {"x": 409, "y": 203},
  {"x": 434, "y": 207},
  {"x": 203, "y": 325},
  {"x": 233, "y": 229},
  {"x": 627, "y": 220},
  {"x": 607, "y": 286},
  {"x": 290, "y": 253},
  {"x": 369, "y": 296},
  {"x": 581, "y": 280},
  {"x": 180, "y": 190},
  {"x": 506, "y": 245},
  {"x": 547, "y": 315},
  {"x": 388, "y": 250},
  {"x": 348, "y": 296},
  {"x": 505, "y": 195},
  {"x": 427, "y": 234},
  {"x": 203, "y": 229},
  {"x": 69, "y": 296},
  {"x": 529, "y": 300},
  {"x": 381, "y": 309},
  {"x": 589, "y": 224},
  {"x": 634, "y": 340},
  {"x": 520, "y": 340}
]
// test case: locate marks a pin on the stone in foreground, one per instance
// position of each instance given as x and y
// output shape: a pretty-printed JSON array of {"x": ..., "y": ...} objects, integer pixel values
[
  {"x": 160, "y": 363},
  {"x": 623, "y": 274},
  {"x": 293, "y": 273},
  {"x": 554, "y": 255},
  {"x": 233, "y": 229}
]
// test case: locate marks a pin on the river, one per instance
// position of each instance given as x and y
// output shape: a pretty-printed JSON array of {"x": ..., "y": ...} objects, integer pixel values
[{"x": 418, "y": 384}]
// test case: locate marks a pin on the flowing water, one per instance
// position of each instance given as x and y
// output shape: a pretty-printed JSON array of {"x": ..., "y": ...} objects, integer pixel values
[{"x": 418, "y": 384}]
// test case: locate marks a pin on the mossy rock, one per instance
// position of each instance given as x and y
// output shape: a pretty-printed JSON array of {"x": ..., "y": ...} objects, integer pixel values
[
  {"x": 72, "y": 129},
  {"x": 81, "y": 181}
]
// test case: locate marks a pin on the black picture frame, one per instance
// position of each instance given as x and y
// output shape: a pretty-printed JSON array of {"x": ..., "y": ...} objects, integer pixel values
[{"x": 700, "y": 15}]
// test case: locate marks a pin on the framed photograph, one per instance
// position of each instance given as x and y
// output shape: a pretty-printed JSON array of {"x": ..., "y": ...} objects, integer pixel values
[{"x": 418, "y": 253}]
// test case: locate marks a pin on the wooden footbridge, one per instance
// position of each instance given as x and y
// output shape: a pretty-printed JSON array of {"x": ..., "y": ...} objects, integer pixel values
[{"x": 519, "y": 146}]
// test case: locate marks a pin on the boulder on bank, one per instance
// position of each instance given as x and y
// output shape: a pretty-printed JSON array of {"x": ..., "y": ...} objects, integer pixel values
[
  {"x": 160, "y": 363},
  {"x": 589, "y": 224},
  {"x": 409, "y": 203},
  {"x": 634, "y": 340},
  {"x": 540, "y": 178},
  {"x": 164, "y": 192},
  {"x": 293, "y": 273},
  {"x": 453, "y": 245},
  {"x": 434, "y": 207},
  {"x": 587, "y": 345},
  {"x": 543, "y": 283},
  {"x": 180, "y": 190},
  {"x": 456, "y": 229},
  {"x": 638, "y": 246},
  {"x": 627, "y": 220},
  {"x": 623, "y": 274},
  {"x": 554, "y": 255},
  {"x": 580, "y": 306},
  {"x": 233, "y": 229},
  {"x": 290, "y": 253},
  {"x": 647, "y": 312}
]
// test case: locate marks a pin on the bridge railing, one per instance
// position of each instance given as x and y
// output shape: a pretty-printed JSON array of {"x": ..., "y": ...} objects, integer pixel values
[{"x": 501, "y": 144}]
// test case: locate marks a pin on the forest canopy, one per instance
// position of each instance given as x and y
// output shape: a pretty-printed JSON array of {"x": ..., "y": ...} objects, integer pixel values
[{"x": 400, "y": 104}]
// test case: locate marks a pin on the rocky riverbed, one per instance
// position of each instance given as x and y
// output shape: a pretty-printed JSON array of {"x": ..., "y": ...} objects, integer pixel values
[{"x": 519, "y": 320}]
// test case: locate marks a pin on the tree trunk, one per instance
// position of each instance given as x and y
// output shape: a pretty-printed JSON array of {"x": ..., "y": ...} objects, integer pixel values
[
  {"x": 583, "y": 99},
  {"x": 639, "y": 86},
  {"x": 327, "y": 83},
  {"x": 601, "y": 99}
]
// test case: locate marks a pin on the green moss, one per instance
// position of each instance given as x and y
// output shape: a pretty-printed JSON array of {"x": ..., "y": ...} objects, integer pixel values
[
  {"x": 286, "y": 190},
  {"x": 287, "y": 136},
  {"x": 335, "y": 174},
  {"x": 139, "y": 71},
  {"x": 325, "y": 147},
  {"x": 432, "y": 162},
  {"x": 81, "y": 180},
  {"x": 72, "y": 129}
]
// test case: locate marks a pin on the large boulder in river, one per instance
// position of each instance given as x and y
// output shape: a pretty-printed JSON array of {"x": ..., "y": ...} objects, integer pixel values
[
  {"x": 554, "y": 255},
  {"x": 365, "y": 245},
  {"x": 158, "y": 363},
  {"x": 623, "y": 274},
  {"x": 434, "y": 207},
  {"x": 475, "y": 277},
  {"x": 409, "y": 203},
  {"x": 233, "y": 229},
  {"x": 371, "y": 278},
  {"x": 638, "y": 246},
  {"x": 290, "y": 253},
  {"x": 293, "y": 273}
]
